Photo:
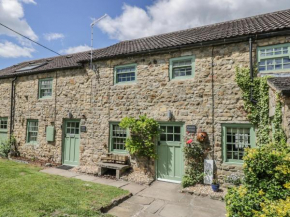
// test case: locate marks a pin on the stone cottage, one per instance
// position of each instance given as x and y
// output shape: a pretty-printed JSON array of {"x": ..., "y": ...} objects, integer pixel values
[{"x": 62, "y": 110}]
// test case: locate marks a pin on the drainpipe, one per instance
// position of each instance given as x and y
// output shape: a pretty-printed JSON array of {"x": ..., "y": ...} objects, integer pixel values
[
  {"x": 12, "y": 106},
  {"x": 251, "y": 72}
]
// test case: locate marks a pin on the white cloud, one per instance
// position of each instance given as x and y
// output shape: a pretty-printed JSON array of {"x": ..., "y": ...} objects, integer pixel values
[
  {"x": 10, "y": 50},
  {"x": 12, "y": 15},
  {"x": 29, "y": 1},
  {"x": 76, "y": 49},
  {"x": 172, "y": 15},
  {"x": 53, "y": 36}
]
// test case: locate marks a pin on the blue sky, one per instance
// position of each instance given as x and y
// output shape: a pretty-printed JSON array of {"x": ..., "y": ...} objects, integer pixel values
[{"x": 64, "y": 25}]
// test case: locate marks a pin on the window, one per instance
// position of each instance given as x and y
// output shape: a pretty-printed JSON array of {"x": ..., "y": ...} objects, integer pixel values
[
  {"x": 118, "y": 138},
  {"x": 30, "y": 67},
  {"x": 45, "y": 88},
  {"x": 274, "y": 58},
  {"x": 32, "y": 131},
  {"x": 237, "y": 137},
  {"x": 125, "y": 74},
  {"x": 3, "y": 124},
  {"x": 170, "y": 133},
  {"x": 182, "y": 67}
]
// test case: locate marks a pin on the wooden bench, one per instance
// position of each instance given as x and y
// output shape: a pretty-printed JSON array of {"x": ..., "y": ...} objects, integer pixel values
[{"x": 120, "y": 169}]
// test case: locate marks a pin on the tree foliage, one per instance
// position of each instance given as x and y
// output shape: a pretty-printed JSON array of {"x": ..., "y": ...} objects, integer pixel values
[{"x": 143, "y": 134}]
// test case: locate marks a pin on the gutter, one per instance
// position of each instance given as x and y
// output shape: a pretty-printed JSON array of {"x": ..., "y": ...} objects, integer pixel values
[
  {"x": 251, "y": 71},
  {"x": 38, "y": 72},
  {"x": 12, "y": 106}
]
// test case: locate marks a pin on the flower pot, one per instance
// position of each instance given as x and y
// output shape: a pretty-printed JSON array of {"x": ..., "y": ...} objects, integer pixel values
[{"x": 215, "y": 187}]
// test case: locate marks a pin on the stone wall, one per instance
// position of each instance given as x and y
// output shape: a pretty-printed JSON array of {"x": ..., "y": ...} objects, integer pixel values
[{"x": 93, "y": 98}]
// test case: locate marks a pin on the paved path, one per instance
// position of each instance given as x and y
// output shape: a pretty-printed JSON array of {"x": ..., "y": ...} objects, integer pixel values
[
  {"x": 131, "y": 187},
  {"x": 161, "y": 199}
]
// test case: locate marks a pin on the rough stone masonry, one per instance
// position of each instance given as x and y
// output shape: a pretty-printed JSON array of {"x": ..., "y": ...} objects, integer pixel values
[{"x": 93, "y": 98}]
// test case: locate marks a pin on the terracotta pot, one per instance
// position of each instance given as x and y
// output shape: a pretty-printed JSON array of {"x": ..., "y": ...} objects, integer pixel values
[{"x": 201, "y": 136}]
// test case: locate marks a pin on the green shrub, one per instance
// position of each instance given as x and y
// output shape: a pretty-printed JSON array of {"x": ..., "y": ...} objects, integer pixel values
[
  {"x": 266, "y": 183},
  {"x": 143, "y": 134},
  {"x": 5, "y": 147}
]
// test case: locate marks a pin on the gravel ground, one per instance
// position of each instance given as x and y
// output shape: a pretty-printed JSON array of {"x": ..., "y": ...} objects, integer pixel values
[{"x": 206, "y": 190}]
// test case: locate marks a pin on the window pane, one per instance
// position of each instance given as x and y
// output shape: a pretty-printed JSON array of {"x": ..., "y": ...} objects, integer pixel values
[
  {"x": 169, "y": 129},
  {"x": 176, "y": 129},
  {"x": 177, "y": 137},
  {"x": 169, "y": 137}
]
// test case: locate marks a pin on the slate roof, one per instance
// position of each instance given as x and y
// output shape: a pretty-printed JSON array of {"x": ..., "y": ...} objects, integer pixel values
[
  {"x": 281, "y": 84},
  {"x": 265, "y": 23}
]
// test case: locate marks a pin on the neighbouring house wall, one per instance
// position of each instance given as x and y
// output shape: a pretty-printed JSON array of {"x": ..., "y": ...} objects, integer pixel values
[
  {"x": 5, "y": 99},
  {"x": 93, "y": 98}
]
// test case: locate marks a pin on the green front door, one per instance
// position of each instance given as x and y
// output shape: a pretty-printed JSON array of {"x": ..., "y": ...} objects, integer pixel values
[
  {"x": 170, "y": 164},
  {"x": 3, "y": 129},
  {"x": 71, "y": 143}
]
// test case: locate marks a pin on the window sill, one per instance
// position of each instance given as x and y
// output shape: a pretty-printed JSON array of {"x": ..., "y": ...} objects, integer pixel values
[
  {"x": 125, "y": 83},
  {"x": 44, "y": 98},
  {"x": 233, "y": 163},
  {"x": 120, "y": 152},
  {"x": 182, "y": 78}
]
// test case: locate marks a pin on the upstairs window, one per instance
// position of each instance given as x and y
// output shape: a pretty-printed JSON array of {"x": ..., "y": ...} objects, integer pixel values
[
  {"x": 32, "y": 131},
  {"x": 30, "y": 66},
  {"x": 237, "y": 137},
  {"x": 125, "y": 74},
  {"x": 274, "y": 58},
  {"x": 182, "y": 67},
  {"x": 45, "y": 88}
]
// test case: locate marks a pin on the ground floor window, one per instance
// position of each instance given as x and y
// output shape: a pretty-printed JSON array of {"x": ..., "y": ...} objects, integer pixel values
[
  {"x": 237, "y": 137},
  {"x": 32, "y": 131},
  {"x": 3, "y": 123},
  {"x": 118, "y": 137}
]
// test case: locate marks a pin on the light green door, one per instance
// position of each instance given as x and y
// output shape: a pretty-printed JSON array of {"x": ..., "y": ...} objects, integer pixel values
[
  {"x": 170, "y": 164},
  {"x": 71, "y": 143},
  {"x": 3, "y": 129}
]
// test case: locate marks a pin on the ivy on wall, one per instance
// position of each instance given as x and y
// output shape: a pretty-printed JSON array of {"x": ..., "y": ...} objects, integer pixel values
[
  {"x": 278, "y": 133},
  {"x": 258, "y": 113}
]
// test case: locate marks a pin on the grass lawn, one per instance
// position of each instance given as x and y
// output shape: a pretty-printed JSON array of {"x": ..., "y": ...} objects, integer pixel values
[{"x": 25, "y": 192}]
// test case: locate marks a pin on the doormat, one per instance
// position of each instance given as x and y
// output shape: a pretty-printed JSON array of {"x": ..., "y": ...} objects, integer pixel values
[{"x": 64, "y": 167}]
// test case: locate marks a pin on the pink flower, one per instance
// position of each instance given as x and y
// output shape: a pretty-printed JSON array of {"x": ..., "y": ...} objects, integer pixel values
[{"x": 189, "y": 141}]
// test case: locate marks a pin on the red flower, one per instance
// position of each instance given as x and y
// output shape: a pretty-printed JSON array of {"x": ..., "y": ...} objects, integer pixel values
[{"x": 189, "y": 141}]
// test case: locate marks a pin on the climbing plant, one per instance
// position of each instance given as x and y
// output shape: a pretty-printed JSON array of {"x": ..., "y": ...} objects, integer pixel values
[
  {"x": 278, "y": 132},
  {"x": 258, "y": 113},
  {"x": 194, "y": 153},
  {"x": 143, "y": 134}
]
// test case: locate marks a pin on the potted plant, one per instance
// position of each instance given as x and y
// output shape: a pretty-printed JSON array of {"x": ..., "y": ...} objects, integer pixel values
[{"x": 215, "y": 185}]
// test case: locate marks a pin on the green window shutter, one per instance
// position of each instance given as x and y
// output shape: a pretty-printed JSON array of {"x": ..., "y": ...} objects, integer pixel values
[
  {"x": 118, "y": 138},
  {"x": 125, "y": 74},
  {"x": 235, "y": 138},
  {"x": 45, "y": 88},
  {"x": 32, "y": 131},
  {"x": 274, "y": 58},
  {"x": 182, "y": 67}
]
